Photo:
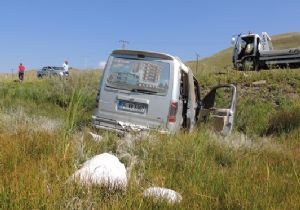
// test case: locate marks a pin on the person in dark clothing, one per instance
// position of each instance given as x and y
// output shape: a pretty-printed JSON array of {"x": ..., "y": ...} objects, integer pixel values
[{"x": 21, "y": 72}]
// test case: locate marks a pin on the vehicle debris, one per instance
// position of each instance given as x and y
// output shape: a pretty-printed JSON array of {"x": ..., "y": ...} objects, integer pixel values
[
  {"x": 96, "y": 137},
  {"x": 132, "y": 127}
]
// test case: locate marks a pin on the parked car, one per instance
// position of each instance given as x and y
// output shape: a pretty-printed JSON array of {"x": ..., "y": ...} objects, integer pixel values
[
  {"x": 142, "y": 90},
  {"x": 51, "y": 71}
]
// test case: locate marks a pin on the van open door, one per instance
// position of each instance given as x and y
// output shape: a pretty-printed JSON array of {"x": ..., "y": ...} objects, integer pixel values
[{"x": 219, "y": 106}]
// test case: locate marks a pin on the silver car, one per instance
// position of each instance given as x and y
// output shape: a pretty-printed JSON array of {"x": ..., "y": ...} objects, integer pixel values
[
  {"x": 51, "y": 71},
  {"x": 142, "y": 90}
]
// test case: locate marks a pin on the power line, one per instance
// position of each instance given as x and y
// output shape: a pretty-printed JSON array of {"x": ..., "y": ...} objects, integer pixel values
[{"x": 124, "y": 43}]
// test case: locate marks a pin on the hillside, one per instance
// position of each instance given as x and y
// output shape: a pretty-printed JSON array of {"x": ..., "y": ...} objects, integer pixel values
[
  {"x": 45, "y": 127},
  {"x": 222, "y": 59}
]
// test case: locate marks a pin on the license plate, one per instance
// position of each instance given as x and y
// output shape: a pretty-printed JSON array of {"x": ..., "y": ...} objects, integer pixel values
[{"x": 132, "y": 106}]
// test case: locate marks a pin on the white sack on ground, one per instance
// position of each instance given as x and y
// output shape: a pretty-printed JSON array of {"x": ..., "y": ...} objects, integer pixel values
[
  {"x": 168, "y": 195},
  {"x": 104, "y": 169}
]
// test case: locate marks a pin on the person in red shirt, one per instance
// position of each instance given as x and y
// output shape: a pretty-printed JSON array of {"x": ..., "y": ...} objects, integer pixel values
[{"x": 21, "y": 72}]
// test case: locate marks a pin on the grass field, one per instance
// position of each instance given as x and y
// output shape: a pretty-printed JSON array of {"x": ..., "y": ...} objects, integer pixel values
[{"x": 44, "y": 138}]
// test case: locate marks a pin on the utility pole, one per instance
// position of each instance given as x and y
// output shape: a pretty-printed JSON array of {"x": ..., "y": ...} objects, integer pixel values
[
  {"x": 124, "y": 43},
  {"x": 85, "y": 63},
  {"x": 197, "y": 56},
  {"x": 12, "y": 74}
]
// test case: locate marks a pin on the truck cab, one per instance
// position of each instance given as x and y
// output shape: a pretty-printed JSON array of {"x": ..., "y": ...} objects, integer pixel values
[{"x": 246, "y": 51}]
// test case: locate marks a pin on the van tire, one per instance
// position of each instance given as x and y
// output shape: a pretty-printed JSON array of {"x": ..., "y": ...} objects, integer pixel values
[{"x": 189, "y": 125}]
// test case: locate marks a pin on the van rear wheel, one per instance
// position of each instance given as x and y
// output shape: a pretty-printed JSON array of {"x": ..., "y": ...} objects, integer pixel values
[{"x": 189, "y": 125}]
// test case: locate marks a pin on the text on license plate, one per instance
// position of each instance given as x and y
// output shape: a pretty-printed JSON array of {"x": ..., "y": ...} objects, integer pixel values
[{"x": 132, "y": 106}]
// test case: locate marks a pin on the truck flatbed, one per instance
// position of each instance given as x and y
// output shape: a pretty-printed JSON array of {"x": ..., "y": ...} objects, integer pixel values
[
  {"x": 284, "y": 52},
  {"x": 291, "y": 55}
]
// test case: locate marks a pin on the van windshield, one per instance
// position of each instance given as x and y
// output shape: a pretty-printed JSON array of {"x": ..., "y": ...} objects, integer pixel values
[{"x": 150, "y": 77}]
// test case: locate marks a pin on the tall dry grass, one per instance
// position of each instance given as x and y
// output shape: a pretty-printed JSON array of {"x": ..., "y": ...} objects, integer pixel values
[{"x": 44, "y": 138}]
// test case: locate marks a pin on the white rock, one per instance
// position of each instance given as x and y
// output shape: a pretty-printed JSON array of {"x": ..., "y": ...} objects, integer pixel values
[
  {"x": 104, "y": 169},
  {"x": 168, "y": 195}
]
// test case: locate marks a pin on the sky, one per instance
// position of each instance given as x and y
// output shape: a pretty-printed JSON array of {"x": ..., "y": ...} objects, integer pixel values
[{"x": 84, "y": 32}]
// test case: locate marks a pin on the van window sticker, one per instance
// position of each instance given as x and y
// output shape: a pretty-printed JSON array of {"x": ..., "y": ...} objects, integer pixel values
[{"x": 131, "y": 74}]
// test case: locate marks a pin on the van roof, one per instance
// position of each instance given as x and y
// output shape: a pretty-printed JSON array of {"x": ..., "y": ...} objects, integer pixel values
[
  {"x": 163, "y": 56},
  {"x": 144, "y": 54}
]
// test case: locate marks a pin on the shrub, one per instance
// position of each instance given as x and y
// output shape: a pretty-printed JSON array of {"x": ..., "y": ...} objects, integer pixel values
[
  {"x": 252, "y": 116},
  {"x": 283, "y": 121}
]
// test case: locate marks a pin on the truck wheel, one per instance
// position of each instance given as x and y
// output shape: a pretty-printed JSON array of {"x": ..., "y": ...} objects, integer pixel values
[
  {"x": 249, "y": 65},
  {"x": 255, "y": 66}
]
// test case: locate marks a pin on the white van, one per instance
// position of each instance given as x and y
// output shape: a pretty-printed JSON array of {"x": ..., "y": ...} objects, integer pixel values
[{"x": 142, "y": 90}]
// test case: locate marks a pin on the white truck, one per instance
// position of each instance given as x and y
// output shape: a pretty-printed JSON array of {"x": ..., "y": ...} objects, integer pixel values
[{"x": 254, "y": 52}]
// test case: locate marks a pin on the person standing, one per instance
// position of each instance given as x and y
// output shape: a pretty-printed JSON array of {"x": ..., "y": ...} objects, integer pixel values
[
  {"x": 66, "y": 68},
  {"x": 21, "y": 72}
]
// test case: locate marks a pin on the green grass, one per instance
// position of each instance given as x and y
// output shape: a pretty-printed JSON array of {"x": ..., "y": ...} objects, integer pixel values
[
  {"x": 44, "y": 139},
  {"x": 207, "y": 174}
]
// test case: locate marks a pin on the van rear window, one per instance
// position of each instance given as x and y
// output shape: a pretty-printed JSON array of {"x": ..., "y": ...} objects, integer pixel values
[{"x": 150, "y": 77}]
